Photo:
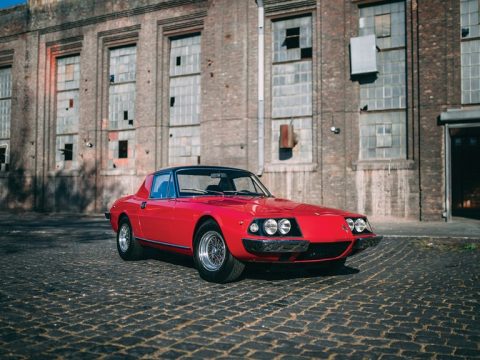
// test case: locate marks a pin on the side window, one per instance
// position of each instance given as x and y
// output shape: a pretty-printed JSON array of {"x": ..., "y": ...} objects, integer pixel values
[{"x": 160, "y": 186}]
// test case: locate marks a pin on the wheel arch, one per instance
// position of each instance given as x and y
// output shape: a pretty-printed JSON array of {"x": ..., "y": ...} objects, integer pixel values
[
  {"x": 123, "y": 215},
  {"x": 202, "y": 220}
]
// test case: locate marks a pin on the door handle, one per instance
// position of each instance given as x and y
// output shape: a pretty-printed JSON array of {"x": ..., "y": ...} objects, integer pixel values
[{"x": 143, "y": 205}]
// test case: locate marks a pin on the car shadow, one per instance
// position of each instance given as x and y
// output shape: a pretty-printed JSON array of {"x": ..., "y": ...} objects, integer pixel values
[
  {"x": 266, "y": 272},
  {"x": 168, "y": 257},
  {"x": 274, "y": 272}
]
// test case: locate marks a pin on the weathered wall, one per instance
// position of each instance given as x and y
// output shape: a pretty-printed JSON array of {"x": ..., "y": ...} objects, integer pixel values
[{"x": 407, "y": 188}]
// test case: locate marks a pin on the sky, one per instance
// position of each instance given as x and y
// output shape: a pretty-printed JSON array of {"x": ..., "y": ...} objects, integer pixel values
[{"x": 8, "y": 3}]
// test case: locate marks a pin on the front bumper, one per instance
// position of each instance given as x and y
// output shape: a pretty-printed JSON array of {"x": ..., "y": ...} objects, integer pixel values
[
  {"x": 364, "y": 243},
  {"x": 304, "y": 250}
]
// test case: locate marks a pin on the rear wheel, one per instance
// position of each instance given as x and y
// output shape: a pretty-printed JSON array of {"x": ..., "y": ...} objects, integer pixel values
[
  {"x": 212, "y": 258},
  {"x": 127, "y": 246}
]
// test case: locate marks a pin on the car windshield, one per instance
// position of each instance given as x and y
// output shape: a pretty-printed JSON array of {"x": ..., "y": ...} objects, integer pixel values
[{"x": 219, "y": 182}]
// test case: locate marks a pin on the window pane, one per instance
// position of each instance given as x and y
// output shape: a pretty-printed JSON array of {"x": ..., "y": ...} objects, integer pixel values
[
  {"x": 123, "y": 149},
  {"x": 3, "y": 155},
  {"x": 160, "y": 186},
  {"x": 244, "y": 184},
  {"x": 382, "y": 135},
  {"x": 68, "y": 152},
  {"x": 382, "y": 25}
]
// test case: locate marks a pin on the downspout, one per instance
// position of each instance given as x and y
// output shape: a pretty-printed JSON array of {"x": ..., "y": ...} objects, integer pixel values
[
  {"x": 261, "y": 88},
  {"x": 447, "y": 215}
]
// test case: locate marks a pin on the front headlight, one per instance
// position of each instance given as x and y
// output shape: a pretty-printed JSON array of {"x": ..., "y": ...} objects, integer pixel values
[
  {"x": 284, "y": 226},
  {"x": 270, "y": 226},
  {"x": 254, "y": 227},
  {"x": 351, "y": 223},
  {"x": 360, "y": 225}
]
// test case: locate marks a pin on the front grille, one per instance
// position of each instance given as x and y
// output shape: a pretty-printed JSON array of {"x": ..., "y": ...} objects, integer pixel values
[{"x": 324, "y": 250}]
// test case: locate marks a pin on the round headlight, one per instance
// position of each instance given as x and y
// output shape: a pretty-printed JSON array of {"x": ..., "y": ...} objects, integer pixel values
[
  {"x": 284, "y": 226},
  {"x": 254, "y": 227},
  {"x": 360, "y": 225},
  {"x": 270, "y": 226},
  {"x": 351, "y": 223}
]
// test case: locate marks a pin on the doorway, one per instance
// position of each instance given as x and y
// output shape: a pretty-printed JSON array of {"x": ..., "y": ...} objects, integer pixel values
[{"x": 465, "y": 172}]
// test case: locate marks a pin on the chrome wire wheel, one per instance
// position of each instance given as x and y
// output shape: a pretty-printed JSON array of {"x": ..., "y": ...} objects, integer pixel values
[
  {"x": 124, "y": 237},
  {"x": 212, "y": 251}
]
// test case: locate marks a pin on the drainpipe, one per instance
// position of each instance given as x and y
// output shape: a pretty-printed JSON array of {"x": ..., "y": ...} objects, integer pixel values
[{"x": 261, "y": 88}]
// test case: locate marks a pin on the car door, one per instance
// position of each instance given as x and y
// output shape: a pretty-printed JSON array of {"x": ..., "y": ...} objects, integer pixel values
[{"x": 157, "y": 212}]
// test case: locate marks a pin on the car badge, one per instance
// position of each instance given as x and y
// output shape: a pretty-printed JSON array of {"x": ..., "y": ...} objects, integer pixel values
[{"x": 344, "y": 228}]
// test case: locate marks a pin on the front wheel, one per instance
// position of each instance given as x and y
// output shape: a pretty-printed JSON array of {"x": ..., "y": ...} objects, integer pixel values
[
  {"x": 212, "y": 258},
  {"x": 127, "y": 246}
]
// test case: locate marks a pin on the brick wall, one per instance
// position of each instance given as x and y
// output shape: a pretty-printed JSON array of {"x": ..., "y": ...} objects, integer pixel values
[{"x": 330, "y": 173}]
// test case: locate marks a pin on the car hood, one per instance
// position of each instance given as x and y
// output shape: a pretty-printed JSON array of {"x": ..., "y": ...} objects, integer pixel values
[{"x": 273, "y": 207}]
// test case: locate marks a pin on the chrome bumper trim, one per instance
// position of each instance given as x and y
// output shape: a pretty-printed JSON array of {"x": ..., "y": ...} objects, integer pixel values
[{"x": 163, "y": 243}]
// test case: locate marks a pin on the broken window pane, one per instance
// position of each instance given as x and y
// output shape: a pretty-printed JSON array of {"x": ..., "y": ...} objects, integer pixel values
[
  {"x": 172, "y": 101},
  {"x": 469, "y": 18},
  {"x": 306, "y": 53},
  {"x": 3, "y": 155},
  {"x": 185, "y": 55},
  {"x": 125, "y": 115},
  {"x": 68, "y": 152},
  {"x": 123, "y": 149},
  {"x": 292, "y": 39},
  {"x": 382, "y": 25}
]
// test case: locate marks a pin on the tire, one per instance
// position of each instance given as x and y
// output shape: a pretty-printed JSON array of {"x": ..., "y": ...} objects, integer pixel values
[
  {"x": 127, "y": 246},
  {"x": 212, "y": 258}
]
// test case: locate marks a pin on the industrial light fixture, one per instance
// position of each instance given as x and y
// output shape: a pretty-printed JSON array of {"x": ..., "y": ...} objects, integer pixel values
[{"x": 335, "y": 130}]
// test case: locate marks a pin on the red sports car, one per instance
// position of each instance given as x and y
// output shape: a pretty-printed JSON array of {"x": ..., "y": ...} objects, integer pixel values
[{"x": 225, "y": 217}]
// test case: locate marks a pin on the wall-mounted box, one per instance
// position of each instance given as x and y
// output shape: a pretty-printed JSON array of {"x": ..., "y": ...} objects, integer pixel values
[
  {"x": 363, "y": 55},
  {"x": 287, "y": 137}
]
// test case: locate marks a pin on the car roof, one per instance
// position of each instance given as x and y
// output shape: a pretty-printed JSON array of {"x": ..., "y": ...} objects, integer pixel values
[{"x": 199, "y": 167}]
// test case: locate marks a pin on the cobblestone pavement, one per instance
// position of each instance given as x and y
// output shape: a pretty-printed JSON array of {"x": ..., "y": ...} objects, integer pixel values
[{"x": 65, "y": 292}]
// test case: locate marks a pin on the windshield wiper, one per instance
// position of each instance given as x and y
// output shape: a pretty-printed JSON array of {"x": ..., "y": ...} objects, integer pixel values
[
  {"x": 244, "y": 192},
  {"x": 202, "y": 191}
]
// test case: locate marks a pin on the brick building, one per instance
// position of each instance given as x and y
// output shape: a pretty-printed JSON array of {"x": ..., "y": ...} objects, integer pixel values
[{"x": 382, "y": 98}]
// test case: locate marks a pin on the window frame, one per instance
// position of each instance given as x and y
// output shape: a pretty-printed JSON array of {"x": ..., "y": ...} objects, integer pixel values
[{"x": 405, "y": 149}]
